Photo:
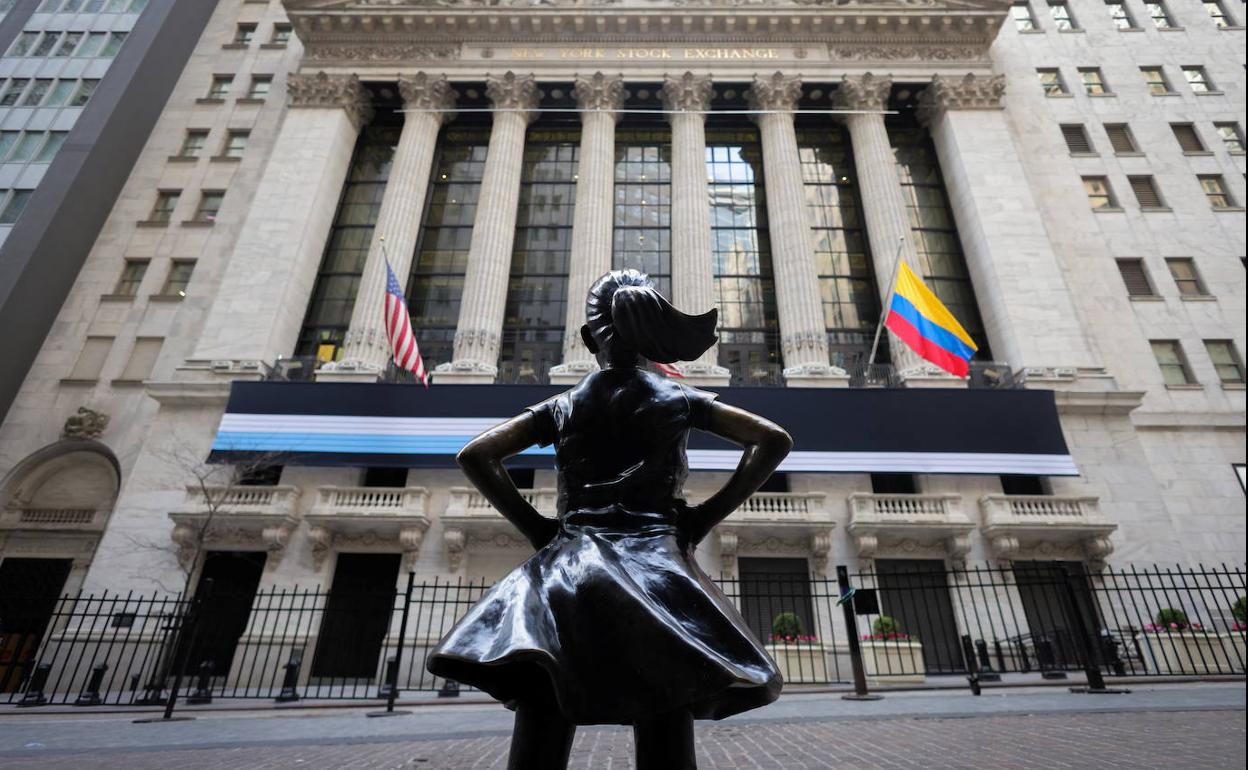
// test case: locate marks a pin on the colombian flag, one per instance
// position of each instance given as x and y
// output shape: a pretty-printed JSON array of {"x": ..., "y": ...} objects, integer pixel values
[{"x": 923, "y": 323}]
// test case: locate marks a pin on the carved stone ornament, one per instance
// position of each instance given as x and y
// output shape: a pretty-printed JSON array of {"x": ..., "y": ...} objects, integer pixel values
[
  {"x": 864, "y": 92},
  {"x": 335, "y": 5},
  {"x": 972, "y": 92},
  {"x": 513, "y": 92},
  {"x": 456, "y": 544},
  {"x": 728, "y": 545},
  {"x": 321, "y": 90},
  {"x": 884, "y": 53},
  {"x": 85, "y": 424},
  {"x": 687, "y": 92},
  {"x": 373, "y": 52},
  {"x": 600, "y": 92},
  {"x": 776, "y": 92},
  {"x": 428, "y": 92}
]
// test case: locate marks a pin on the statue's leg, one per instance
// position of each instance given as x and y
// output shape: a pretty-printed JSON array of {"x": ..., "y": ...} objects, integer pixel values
[
  {"x": 541, "y": 738},
  {"x": 665, "y": 742}
]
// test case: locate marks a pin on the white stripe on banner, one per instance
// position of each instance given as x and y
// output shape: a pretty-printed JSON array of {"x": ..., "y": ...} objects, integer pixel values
[{"x": 447, "y": 435}]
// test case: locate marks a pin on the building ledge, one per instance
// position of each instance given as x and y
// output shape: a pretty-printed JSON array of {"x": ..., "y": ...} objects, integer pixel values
[
  {"x": 1031, "y": 525},
  {"x": 40, "y": 519},
  {"x": 370, "y": 518},
  {"x": 244, "y": 517},
  {"x": 881, "y": 524}
]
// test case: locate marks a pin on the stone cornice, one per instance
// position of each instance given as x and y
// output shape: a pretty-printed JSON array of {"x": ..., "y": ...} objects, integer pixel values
[
  {"x": 775, "y": 92},
  {"x": 866, "y": 92},
  {"x": 972, "y": 92},
  {"x": 428, "y": 92},
  {"x": 510, "y": 91},
  {"x": 599, "y": 92},
  {"x": 687, "y": 92},
  {"x": 320, "y": 90}
]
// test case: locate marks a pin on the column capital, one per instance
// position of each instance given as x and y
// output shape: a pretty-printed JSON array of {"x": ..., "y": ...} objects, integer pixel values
[
  {"x": 864, "y": 92},
  {"x": 423, "y": 91},
  {"x": 600, "y": 92},
  {"x": 775, "y": 92},
  {"x": 973, "y": 92},
  {"x": 687, "y": 92},
  {"x": 510, "y": 91},
  {"x": 322, "y": 90}
]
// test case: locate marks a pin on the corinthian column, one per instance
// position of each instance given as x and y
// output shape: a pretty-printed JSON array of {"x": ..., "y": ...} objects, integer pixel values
[
  {"x": 687, "y": 97},
  {"x": 803, "y": 333},
  {"x": 366, "y": 348},
  {"x": 883, "y": 203},
  {"x": 600, "y": 97},
  {"x": 256, "y": 313},
  {"x": 480, "y": 327}
]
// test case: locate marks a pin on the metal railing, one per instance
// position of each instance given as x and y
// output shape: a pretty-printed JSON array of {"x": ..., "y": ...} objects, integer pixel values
[{"x": 902, "y": 623}]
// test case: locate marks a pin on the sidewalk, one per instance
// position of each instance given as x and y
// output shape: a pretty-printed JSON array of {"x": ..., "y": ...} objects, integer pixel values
[{"x": 1154, "y": 726}]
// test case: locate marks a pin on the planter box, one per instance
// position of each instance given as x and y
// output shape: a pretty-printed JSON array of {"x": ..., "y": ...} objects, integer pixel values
[
  {"x": 800, "y": 662},
  {"x": 893, "y": 661},
  {"x": 1195, "y": 652},
  {"x": 1233, "y": 644}
]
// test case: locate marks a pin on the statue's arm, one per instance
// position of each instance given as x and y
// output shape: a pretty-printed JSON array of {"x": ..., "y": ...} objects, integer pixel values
[
  {"x": 766, "y": 445},
  {"x": 482, "y": 462}
]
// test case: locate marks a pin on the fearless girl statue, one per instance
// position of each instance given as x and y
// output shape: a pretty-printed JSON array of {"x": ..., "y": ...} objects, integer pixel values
[{"x": 612, "y": 621}]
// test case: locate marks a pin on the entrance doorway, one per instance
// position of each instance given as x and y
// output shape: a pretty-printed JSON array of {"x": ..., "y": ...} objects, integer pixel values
[
  {"x": 357, "y": 615},
  {"x": 235, "y": 576},
  {"x": 29, "y": 589},
  {"x": 772, "y": 587},
  {"x": 915, "y": 593},
  {"x": 1047, "y": 607}
]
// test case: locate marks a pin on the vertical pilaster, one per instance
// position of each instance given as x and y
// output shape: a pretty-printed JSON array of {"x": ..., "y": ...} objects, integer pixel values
[
  {"x": 600, "y": 96},
  {"x": 1017, "y": 276},
  {"x": 479, "y": 332},
  {"x": 687, "y": 97},
  {"x": 803, "y": 333},
  {"x": 366, "y": 348},
  {"x": 883, "y": 204},
  {"x": 267, "y": 281}
]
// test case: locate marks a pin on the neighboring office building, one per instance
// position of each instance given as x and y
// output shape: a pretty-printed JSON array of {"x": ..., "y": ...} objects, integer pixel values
[{"x": 1070, "y": 184}]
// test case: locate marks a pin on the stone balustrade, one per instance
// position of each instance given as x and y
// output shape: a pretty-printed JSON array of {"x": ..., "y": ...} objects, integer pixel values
[
  {"x": 259, "y": 518},
  {"x": 1047, "y": 526},
  {"x": 365, "y": 501},
  {"x": 467, "y": 502},
  {"x": 42, "y": 518},
  {"x": 790, "y": 507},
  {"x": 368, "y": 518},
  {"x": 933, "y": 525},
  {"x": 241, "y": 499}
]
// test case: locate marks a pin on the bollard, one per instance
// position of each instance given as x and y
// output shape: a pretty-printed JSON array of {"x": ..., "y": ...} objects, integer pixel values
[
  {"x": 34, "y": 691},
  {"x": 972, "y": 664},
  {"x": 153, "y": 693},
  {"x": 387, "y": 688},
  {"x": 290, "y": 680},
  {"x": 91, "y": 695},
  {"x": 986, "y": 674},
  {"x": 203, "y": 686},
  {"x": 449, "y": 689},
  {"x": 1046, "y": 659}
]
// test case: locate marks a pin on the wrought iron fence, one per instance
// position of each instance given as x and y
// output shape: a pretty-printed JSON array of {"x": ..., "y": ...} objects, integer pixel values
[{"x": 899, "y": 622}]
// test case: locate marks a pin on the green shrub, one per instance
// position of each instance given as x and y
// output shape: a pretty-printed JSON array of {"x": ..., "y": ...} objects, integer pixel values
[
  {"x": 787, "y": 624},
  {"x": 1240, "y": 609},
  {"x": 886, "y": 625},
  {"x": 1169, "y": 616}
]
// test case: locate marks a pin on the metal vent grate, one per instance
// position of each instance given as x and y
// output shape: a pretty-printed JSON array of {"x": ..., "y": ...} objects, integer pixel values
[
  {"x": 1077, "y": 139},
  {"x": 1120, "y": 138},
  {"x": 1146, "y": 192},
  {"x": 1188, "y": 139},
  {"x": 1134, "y": 276}
]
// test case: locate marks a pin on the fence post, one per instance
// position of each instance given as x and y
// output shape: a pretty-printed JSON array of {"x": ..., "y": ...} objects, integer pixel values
[
  {"x": 851, "y": 635},
  {"x": 203, "y": 685},
  {"x": 186, "y": 629},
  {"x": 392, "y": 672},
  {"x": 34, "y": 691},
  {"x": 972, "y": 664},
  {"x": 290, "y": 681},
  {"x": 91, "y": 695},
  {"x": 1090, "y": 646}
]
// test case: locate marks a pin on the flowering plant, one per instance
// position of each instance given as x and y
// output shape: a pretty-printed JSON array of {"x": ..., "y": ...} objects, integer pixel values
[
  {"x": 1240, "y": 627},
  {"x": 1159, "y": 629},
  {"x": 885, "y": 628},
  {"x": 792, "y": 638},
  {"x": 1170, "y": 619},
  {"x": 895, "y": 635}
]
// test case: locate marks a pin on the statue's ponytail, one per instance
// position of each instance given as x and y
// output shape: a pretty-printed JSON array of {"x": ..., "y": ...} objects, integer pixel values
[{"x": 626, "y": 314}]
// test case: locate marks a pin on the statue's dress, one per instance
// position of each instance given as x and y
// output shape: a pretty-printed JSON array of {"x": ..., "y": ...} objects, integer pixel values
[{"x": 613, "y": 618}]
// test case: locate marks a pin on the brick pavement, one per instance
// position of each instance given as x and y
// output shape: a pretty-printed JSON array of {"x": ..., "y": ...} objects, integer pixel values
[{"x": 1152, "y": 739}]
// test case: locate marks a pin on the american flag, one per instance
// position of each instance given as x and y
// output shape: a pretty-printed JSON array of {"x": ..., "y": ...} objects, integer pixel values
[{"x": 399, "y": 330}]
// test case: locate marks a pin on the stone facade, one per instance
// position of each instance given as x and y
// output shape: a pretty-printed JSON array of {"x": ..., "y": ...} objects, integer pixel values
[{"x": 1158, "y": 481}]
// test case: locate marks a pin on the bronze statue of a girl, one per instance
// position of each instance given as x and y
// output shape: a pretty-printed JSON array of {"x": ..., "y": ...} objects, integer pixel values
[{"x": 612, "y": 621}]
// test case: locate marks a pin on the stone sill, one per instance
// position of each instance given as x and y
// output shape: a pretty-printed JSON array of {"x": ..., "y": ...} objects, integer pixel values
[
  {"x": 151, "y": 223},
  {"x": 1198, "y": 298},
  {"x": 165, "y": 297},
  {"x": 1131, "y": 29},
  {"x": 235, "y": 47},
  {"x": 224, "y": 159},
  {"x": 273, "y": 46},
  {"x": 209, "y": 100},
  {"x": 1105, "y": 95},
  {"x": 78, "y": 381},
  {"x": 1156, "y": 209},
  {"x": 1167, "y": 93},
  {"x": 182, "y": 158},
  {"x": 1235, "y": 28},
  {"x": 1085, "y": 155},
  {"x": 117, "y": 297},
  {"x": 1108, "y": 210},
  {"x": 1209, "y": 93},
  {"x": 1059, "y": 96},
  {"x": 1232, "y": 386},
  {"x": 1146, "y": 298},
  {"x": 1030, "y": 32},
  {"x": 1129, "y": 155},
  {"x": 1235, "y": 153},
  {"x": 1075, "y": 31},
  {"x": 1231, "y": 209},
  {"x": 197, "y": 223},
  {"x": 1171, "y": 29},
  {"x": 249, "y": 100},
  {"x": 125, "y": 382},
  {"x": 1191, "y": 386}
]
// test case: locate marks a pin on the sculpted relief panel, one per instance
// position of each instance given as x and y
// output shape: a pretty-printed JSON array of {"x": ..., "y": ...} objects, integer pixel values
[{"x": 334, "y": 5}]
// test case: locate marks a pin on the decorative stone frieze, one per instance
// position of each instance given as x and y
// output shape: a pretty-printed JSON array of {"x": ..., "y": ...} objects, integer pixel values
[
  {"x": 864, "y": 92},
  {"x": 972, "y": 92},
  {"x": 379, "y": 53},
  {"x": 889, "y": 53},
  {"x": 324, "y": 91},
  {"x": 729, "y": 543}
]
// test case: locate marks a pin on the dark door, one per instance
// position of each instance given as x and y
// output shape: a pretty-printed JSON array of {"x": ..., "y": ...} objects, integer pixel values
[
  {"x": 1051, "y": 641},
  {"x": 235, "y": 575},
  {"x": 773, "y": 587},
  {"x": 29, "y": 589},
  {"x": 915, "y": 593},
  {"x": 357, "y": 615}
]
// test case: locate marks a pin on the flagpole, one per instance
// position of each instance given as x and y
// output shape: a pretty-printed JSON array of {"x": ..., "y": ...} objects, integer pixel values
[{"x": 892, "y": 288}]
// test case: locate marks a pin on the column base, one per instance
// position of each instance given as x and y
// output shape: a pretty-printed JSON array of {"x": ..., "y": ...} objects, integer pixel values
[
  {"x": 349, "y": 371},
  {"x": 572, "y": 372},
  {"x": 816, "y": 376},
  {"x": 705, "y": 375},
  {"x": 465, "y": 373}
]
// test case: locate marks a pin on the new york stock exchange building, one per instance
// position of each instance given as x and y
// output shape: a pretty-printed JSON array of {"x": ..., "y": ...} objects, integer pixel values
[{"x": 217, "y": 399}]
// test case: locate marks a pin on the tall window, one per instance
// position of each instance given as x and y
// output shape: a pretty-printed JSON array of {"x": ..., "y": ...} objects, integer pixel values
[
  {"x": 1198, "y": 80},
  {"x": 1173, "y": 364},
  {"x": 1052, "y": 83},
  {"x": 1062, "y": 17},
  {"x": 1155, "y": 79},
  {"x": 847, "y": 282},
  {"x": 933, "y": 230},
  {"x": 745, "y": 292},
  {"x": 1100, "y": 195},
  {"x": 643, "y": 202},
  {"x": 1093, "y": 81},
  {"x": 538, "y": 287},
  {"x": 1024, "y": 19},
  {"x": 1232, "y": 138},
  {"x": 1159, "y": 14},
  {"x": 1217, "y": 11},
  {"x": 436, "y": 285},
  {"x": 333, "y": 297},
  {"x": 1225, "y": 361},
  {"x": 1186, "y": 279},
  {"x": 1215, "y": 191},
  {"x": 1119, "y": 14}
]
